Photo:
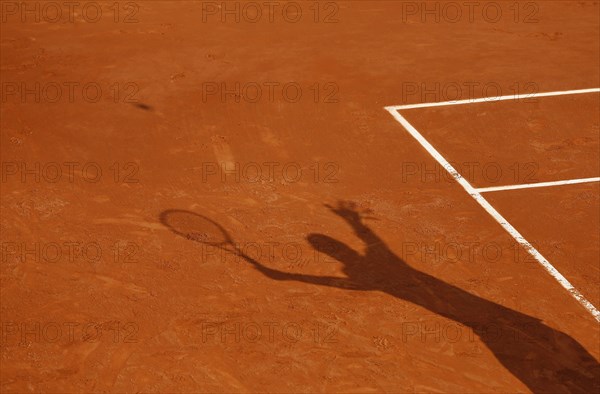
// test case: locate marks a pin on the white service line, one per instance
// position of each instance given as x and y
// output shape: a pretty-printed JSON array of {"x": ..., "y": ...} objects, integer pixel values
[
  {"x": 495, "y": 214},
  {"x": 493, "y": 99},
  {"x": 534, "y": 185}
]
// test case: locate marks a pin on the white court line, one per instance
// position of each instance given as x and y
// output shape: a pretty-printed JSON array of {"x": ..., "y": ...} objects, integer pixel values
[
  {"x": 488, "y": 207},
  {"x": 492, "y": 99},
  {"x": 534, "y": 185}
]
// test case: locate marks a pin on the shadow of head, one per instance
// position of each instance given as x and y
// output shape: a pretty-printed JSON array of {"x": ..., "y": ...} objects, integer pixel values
[{"x": 331, "y": 247}]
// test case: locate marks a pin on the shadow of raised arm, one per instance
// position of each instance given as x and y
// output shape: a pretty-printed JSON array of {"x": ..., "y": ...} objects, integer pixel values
[{"x": 349, "y": 212}]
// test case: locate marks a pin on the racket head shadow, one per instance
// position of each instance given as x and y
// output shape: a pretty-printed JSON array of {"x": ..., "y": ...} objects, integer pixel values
[{"x": 196, "y": 227}]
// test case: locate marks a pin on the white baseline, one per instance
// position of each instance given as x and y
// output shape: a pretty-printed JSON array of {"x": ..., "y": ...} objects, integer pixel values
[{"x": 493, "y": 99}]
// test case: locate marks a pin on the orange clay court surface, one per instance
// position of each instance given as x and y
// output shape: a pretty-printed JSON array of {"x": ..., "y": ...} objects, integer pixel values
[{"x": 300, "y": 197}]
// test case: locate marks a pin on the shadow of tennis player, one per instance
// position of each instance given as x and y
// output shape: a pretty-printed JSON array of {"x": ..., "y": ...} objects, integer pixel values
[{"x": 544, "y": 359}]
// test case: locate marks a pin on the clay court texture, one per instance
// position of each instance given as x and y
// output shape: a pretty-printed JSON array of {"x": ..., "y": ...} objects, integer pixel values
[{"x": 300, "y": 197}]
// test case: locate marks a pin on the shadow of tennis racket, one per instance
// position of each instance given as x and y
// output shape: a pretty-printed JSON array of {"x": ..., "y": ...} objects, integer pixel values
[{"x": 199, "y": 228}]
